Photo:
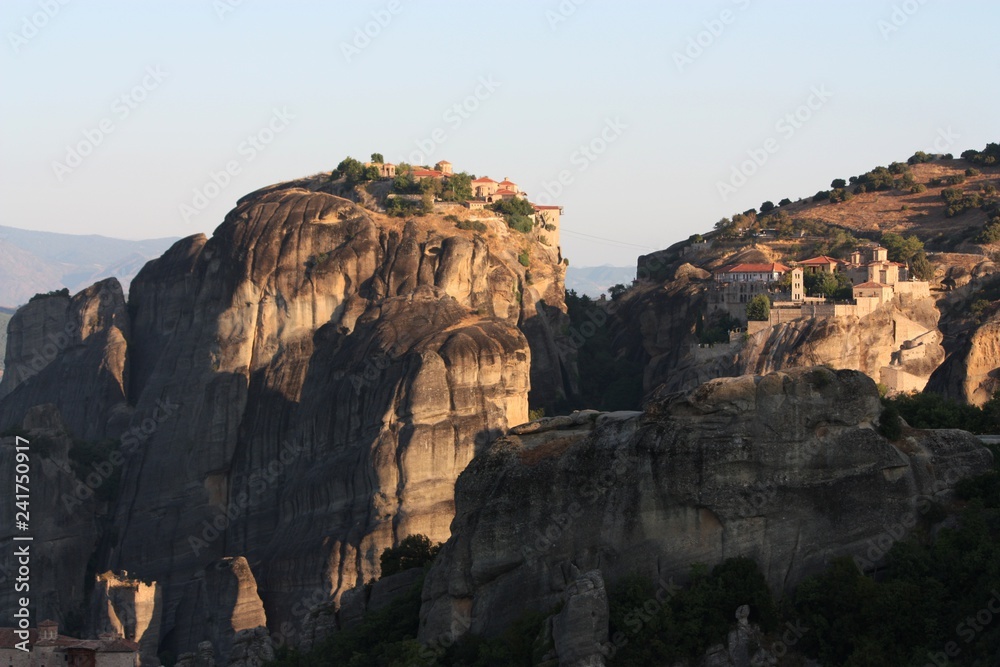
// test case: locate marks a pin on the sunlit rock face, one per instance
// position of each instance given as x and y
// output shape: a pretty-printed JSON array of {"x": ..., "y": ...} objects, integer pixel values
[
  {"x": 299, "y": 391},
  {"x": 788, "y": 469}
]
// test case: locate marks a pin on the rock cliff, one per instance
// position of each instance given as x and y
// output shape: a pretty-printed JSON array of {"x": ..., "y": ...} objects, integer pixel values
[
  {"x": 287, "y": 399},
  {"x": 788, "y": 468}
]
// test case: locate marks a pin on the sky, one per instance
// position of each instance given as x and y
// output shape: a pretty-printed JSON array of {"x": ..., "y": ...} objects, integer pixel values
[{"x": 648, "y": 121}]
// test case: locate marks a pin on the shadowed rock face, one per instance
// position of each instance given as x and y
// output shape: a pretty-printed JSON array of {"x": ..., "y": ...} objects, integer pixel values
[
  {"x": 787, "y": 468},
  {"x": 300, "y": 391}
]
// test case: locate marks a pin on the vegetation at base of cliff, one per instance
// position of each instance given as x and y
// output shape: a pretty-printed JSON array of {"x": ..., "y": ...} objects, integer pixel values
[
  {"x": 659, "y": 624},
  {"x": 606, "y": 382},
  {"x": 929, "y": 410},
  {"x": 413, "y": 551},
  {"x": 384, "y": 638}
]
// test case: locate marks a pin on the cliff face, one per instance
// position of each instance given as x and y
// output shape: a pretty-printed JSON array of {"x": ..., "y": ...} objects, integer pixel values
[
  {"x": 787, "y": 468},
  {"x": 299, "y": 391},
  {"x": 906, "y": 344}
]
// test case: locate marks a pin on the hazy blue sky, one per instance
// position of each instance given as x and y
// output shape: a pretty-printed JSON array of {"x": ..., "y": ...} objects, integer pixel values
[{"x": 200, "y": 77}]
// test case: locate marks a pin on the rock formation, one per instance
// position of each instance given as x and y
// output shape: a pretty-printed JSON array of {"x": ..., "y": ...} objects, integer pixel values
[
  {"x": 289, "y": 397},
  {"x": 788, "y": 469}
]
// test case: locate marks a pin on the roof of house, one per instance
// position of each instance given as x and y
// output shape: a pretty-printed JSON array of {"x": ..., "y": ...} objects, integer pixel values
[
  {"x": 773, "y": 267},
  {"x": 505, "y": 191},
  {"x": 427, "y": 172},
  {"x": 506, "y": 181},
  {"x": 870, "y": 285},
  {"x": 822, "y": 259},
  {"x": 539, "y": 207},
  {"x": 484, "y": 179},
  {"x": 443, "y": 162},
  {"x": 47, "y": 623}
]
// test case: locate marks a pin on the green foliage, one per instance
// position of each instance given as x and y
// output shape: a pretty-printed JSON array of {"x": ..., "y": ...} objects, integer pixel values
[
  {"x": 917, "y": 188},
  {"x": 413, "y": 551},
  {"x": 759, "y": 308},
  {"x": 537, "y": 413},
  {"x": 930, "y": 410},
  {"x": 910, "y": 251},
  {"x": 899, "y": 168},
  {"x": 399, "y": 207},
  {"x": 58, "y": 292},
  {"x": 889, "y": 425},
  {"x": 520, "y": 223},
  {"x": 822, "y": 195},
  {"x": 971, "y": 171},
  {"x": 660, "y": 625},
  {"x": 385, "y": 638},
  {"x": 877, "y": 179},
  {"x": 959, "y": 201},
  {"x": 919, "y": 157},
  {"x": 785, "y": 202},
  {"x": 696, "y": 238},
  {"x": 830, "y": 285},
  {"x": 839, "y": 195},
  {"x": 838, "y": 183},
  {"x": 955, "y": 179},
  {"x": 767, "y": 206},
  {"x": 617, "y": 291},
  {"x": 524, "y": 258},
  {"x": 353, "y": 172},
  {"x": 988, "y": 156},
  {"x": 513, "y": 206},
  {"x": 520, "y": 645},
  {"x": 405, "y": 184},
  {"x": 377, "y": 158},
  {"x": 457, "y": 187},
  {"x": 474, "y": 225},
  {"x": 990, "y": 232},
  {"x": 715, "y": 328}
]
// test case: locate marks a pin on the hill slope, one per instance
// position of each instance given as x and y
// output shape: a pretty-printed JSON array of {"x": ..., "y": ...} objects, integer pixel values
[{"x": 32, "y": 262}]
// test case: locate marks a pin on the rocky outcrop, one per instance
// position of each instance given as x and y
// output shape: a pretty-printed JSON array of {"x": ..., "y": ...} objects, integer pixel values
[
  {"x": 580, "y": 629},
  {"x": 286, "y": 399},
  {"x": 128, "y": 608},
  {"x": 788, "y": 469},
  {"x": 70, "y": 352}
]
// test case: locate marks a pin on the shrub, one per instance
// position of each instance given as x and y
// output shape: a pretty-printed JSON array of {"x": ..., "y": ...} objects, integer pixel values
[
  {"x": 784, "y": 202},
  {"x": 822, "y": 195},
  {"x": 955, "y": 179},
  {"x": 524, "y": 258},
  {"x": 972, "y": 172},
  {"x": 919, "y": 157},
  {"x": 413, "y": 551},
  {"x": 917, "y": 188},
  {"x": 474, "y": 225},
  {"x": 838, "y": 183},
  {"x": 759, "y": 308},
  {"x": 898, "y": 168}
]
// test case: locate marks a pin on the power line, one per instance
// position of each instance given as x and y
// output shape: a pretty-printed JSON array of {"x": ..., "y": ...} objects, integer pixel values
[{"x": 606, "y": 240}]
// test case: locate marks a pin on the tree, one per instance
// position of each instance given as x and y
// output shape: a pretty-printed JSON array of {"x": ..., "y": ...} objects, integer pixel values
[
  {"x": 759, "y": 308},
  {"x": 784, "y": 202},
  {"x": 616, "y": 291},
  {"x": 838, "y": 183},
  {"x": 413, "y": 551},
  {"x": 352, "y": 171},
  {"x": 377, "y": 158},
  {"x": 696, "y": 238},
  {"x": 458, "y": 187},
  {"x": 767, "y": 207}
]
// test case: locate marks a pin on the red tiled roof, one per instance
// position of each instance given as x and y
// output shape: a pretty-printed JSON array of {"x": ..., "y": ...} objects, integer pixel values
[
  {"x": 505, "y": 191},
  {"x": 822, "y": 259},
  {"x": 870, "y": 285},
  {"x": 774, "y": 267},
  {"x": 484, "y": 179},
  {"x": 506, "y": 182},
  {"x": 443, "y": 162},
  {"x": 539, "y": 207}
]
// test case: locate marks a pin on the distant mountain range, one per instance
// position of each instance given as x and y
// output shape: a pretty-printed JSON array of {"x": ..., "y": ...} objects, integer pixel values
[
  {"x": 33, "y": 262},
  {"x": 593, "y": 280}
]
